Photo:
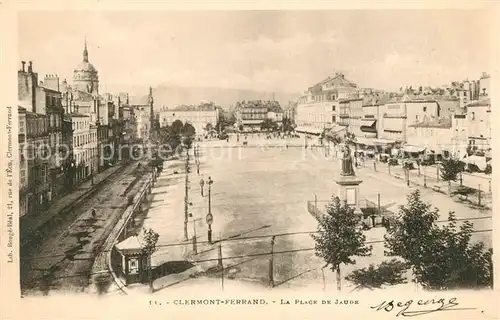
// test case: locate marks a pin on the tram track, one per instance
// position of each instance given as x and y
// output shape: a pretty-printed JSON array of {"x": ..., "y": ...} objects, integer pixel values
[{"x": 63, "y": 258}]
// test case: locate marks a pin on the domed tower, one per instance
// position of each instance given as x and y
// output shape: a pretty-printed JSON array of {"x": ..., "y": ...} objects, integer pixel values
[{"x": 85, "y": 77}]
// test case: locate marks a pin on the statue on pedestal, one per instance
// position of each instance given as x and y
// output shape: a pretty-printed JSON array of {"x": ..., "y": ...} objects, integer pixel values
[{"x": 347, "y": 168}]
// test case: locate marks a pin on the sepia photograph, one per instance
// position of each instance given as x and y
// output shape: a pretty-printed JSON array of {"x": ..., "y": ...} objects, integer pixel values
[{"x": 340, "y": 151}]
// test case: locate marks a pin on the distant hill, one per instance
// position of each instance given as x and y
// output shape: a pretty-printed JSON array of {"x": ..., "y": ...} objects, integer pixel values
[{"x": 169, "y": 96}]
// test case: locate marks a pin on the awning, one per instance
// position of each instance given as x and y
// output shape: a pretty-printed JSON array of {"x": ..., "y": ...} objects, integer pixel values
[
  {"x": 480, "y": 162},
  {"x": 335, "y": 130},
  {"x": 384, "y": 141},
  {"x": 310, "y": 130},
  {"x": 367, "y": 123},
  {"x": 413, "y": 149},
  {"x": 365, "y": 141}
]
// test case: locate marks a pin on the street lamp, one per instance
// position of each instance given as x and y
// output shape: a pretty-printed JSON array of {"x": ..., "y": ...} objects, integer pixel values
[
  {"x": 202, "y": 184},
  {"x": 209, "y": 217}
]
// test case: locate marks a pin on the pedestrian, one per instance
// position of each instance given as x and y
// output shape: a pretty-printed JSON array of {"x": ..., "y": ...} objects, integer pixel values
[{"x": 202, "y": 183}]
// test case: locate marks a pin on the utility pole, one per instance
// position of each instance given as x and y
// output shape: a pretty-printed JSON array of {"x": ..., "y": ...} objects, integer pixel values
[
  {"x": 271, "y": 264},
  {"x": 324, "y": 281},
  {"x": 195, "y": 248},
  {"x": 210, "y": 181},
  {"x": 220, "y": 264},
  {"x": 186, "y": 203},
  {"x": 378, "y": 204},
  {"x": 479, "y": 195}
]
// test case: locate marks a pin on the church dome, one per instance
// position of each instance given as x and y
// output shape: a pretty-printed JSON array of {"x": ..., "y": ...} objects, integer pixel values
[
  {"x": 85, "y": 66},
  {"x": 85, "y": 76}
]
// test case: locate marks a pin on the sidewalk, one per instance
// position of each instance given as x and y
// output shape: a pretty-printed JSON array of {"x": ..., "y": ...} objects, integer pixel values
[
  {"x": 429, "y": 176},
  {"x": 31, "y": 223},
  {"x": 166, "y": 217}
]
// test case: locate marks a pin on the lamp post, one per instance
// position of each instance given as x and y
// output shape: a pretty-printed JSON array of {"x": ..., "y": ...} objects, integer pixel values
[
  {"x": 210, "y": 217},
  {"x": 408, "y": 177},
  {"x": 425, "y": 178},
  {"x": 210, "y": 220},
  {"x": 202, "y": 184}
]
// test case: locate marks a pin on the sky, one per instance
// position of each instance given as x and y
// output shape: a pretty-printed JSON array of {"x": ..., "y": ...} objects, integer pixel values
[{"x": 283, "y": 51}]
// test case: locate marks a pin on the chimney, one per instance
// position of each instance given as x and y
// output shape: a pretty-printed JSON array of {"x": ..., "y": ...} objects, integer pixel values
[
  {"x": 30, "y": 67},
  {"x": 23, "y": 63},
  {"x": 52, "y": 82}
]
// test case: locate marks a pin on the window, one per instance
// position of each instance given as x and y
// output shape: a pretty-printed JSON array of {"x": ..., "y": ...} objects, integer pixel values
[
  {"x": 425, "y": 109},
  {"x": 473, "y": 116},
  {"x": 133, "y": 266},
  {"x": 21, "y": 152},
  {"x": 44, "y": 172},
  {"x": 22, "y": 176},
  {"x": 21, "y": 126},
  {"x": 333, "y": 108}
]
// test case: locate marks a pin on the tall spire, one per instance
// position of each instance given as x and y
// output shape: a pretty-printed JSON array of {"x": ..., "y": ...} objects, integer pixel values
[{"x": 85, "y": 52}]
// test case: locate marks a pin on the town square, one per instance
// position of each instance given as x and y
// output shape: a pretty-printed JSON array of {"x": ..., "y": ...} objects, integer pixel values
[{"x": 253, "y": 165}]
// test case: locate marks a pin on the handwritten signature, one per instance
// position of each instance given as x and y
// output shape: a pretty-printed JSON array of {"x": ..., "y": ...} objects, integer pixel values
[{"x": 429, "y": 306}]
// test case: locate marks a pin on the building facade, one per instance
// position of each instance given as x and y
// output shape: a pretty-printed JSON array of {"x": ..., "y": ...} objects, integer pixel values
[
  {"x": 128, "y": 125},
  {"x": 435, "y": 136},
  {"x": 479, "y": 125},
  {"x": 250, "y": 117},
  {"x": 84, "y": 146},
  {"x": 396, "y": 116},
  {"x": 55, "y": 113},
  {"x": 198, "y": 116},
  {"x": 143, "y": 116},
  {"x": 23, "y": 162},
  {"x": 484, "y": 86},
  {"x": 351, "y": 116},
  {"x": 37, "y": 152},
  {"x": 319, "y": 109},
  {"x": 69, "y": 162}
]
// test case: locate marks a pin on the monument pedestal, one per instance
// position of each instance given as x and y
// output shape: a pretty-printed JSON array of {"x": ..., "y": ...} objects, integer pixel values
[{"x": 349, "y": 191}]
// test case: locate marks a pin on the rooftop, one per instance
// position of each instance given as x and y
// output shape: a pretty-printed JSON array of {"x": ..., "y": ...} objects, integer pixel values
[
  {"x": 443, "y": 123},
  {"x": 481, "y": 103},
  {"x": 202, "y": 107},
  {"x": 78, "y": 115},
  {"x": 376, "y": 100},
  {"x": 339, "y": 80}
]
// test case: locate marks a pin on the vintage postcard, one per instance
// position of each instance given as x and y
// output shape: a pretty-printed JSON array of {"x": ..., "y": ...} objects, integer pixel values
[{"x": 295, "y": 162}]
